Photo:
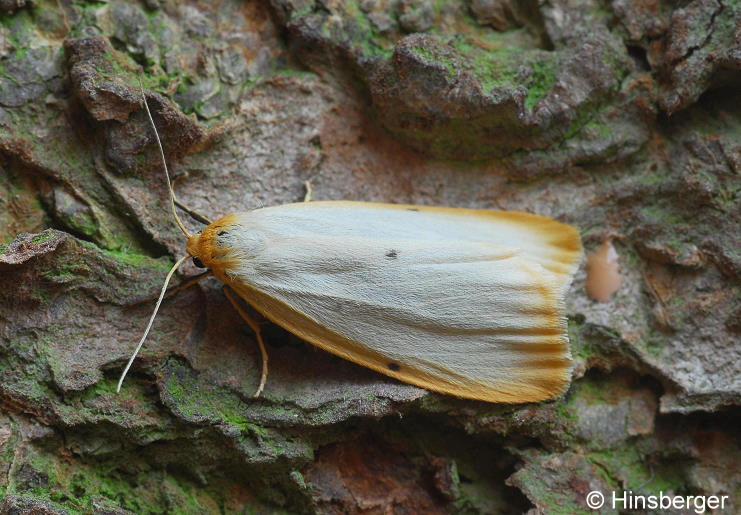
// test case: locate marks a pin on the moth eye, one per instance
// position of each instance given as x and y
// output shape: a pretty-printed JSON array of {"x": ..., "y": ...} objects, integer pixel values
[{"x": 198, "y": 263}]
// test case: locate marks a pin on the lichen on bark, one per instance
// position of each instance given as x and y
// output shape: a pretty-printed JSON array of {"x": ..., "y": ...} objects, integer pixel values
[{"x": 621, "y": 118}]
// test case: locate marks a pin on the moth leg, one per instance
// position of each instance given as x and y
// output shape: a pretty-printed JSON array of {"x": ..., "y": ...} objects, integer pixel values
[
  {"x": 174, "y": 289},
  {"x": 178, "y": 176},
  {"x": 258, "y": 334},
  {"x": 309, "y": 190},
  {"x": 195, "y": 215}
]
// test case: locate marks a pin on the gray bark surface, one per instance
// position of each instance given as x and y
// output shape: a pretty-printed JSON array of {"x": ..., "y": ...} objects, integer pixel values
[{"x": 622, "y": 118}]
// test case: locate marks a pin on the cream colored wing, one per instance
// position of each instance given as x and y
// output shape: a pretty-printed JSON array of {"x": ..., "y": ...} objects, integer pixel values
[
  {"x": 465, "y": 302},
  {"x": 542, "y": 240}
]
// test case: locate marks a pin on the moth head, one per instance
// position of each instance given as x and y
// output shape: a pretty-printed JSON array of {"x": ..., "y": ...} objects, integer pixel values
[{"x": 208, "y": 248}]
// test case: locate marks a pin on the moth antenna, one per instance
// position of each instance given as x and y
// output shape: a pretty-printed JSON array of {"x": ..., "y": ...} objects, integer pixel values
[
  {"x": 164, "y": 162},
  {"x": 151, "y": 320}
]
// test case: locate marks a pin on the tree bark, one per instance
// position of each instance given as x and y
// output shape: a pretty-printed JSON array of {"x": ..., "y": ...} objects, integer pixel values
[{"x": 621, "y": 118}]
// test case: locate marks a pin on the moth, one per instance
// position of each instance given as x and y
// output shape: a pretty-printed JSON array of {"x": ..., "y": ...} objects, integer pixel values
[{"x": 466, "y": 302}]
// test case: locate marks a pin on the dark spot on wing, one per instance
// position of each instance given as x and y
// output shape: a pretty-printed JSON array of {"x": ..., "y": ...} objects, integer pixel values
[
  {"x": 394, "y": 366},
  {"x": 222, "y": 233},
  {"x": 392, "y": 254}
]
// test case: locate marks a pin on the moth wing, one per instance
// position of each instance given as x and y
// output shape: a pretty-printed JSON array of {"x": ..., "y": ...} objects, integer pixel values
[
  {"x": 553, "y": 245},
  {"x": 471, "y": 319}
]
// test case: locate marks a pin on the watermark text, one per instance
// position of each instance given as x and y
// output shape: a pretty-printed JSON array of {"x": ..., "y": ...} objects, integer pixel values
[{"x": 628, "y": 500}]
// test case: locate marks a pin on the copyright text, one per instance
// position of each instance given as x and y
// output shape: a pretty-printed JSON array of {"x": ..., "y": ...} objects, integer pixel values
[{"x": 627, "y": 500}]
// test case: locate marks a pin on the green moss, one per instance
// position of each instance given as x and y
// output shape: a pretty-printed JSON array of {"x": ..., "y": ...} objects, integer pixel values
[
  {"x": 598, "y": 129},
  {"x": 6, "y": 458},
  {"x": 90, "y": 4},
  {"x": 580, "y": 346},
  {"x": 728, "y": 195},
  {"x": 72, "y": 160},
  {"x": 108, "y": 387},
  {"x": 353, "y": 29},
  {"x": 294, "y": 72},
  {"x": 626, "y": 466},
  {"x": 61, "y": 275},
  {"x": 592, "y": 391},
  {"x": 21, "y": 27},
  {"x": 651, "y": 178},
  {"x": 582, "y": 118},
  {"x": 566, "y": 411},
  {"x": 501, "y": 67},
  {"x": 663, "y": 215},
  {"x": 195, "y": 399},
  {"x": 85, "y": 223},
  {"x": 4, "y": 249},
  {"x": 365, "y": 35},
  {"x": 544, "y": 483},
  {"x": 653, "y": 343},
  {"x": 493, "y": 68},
  {"x": 447, "y": 62},
  {"x": 23, "y": 372},
  {"x": 79, "y": 487},
  {"x": 121, "y": 67},
  {"x": 298, "y": 478},
  {"x": 541, "y": 81},
  {"x": 198, "y": 399},
  {"x": 139, "y": 260},
  {"x": 300, "y": 13},
  {"x": 40, "y": 295},
  {"x": 28, "y": 215},
  {"x": 132, "y": 258},
  {"x": 41, "y": 238}
]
